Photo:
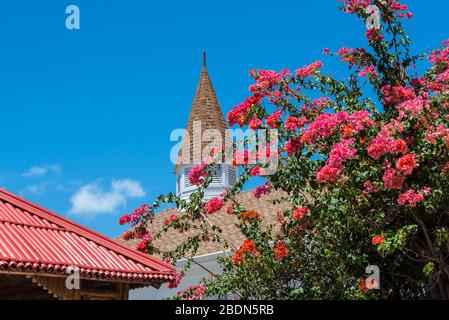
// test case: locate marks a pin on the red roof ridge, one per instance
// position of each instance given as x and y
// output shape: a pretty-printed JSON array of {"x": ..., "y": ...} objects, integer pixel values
[{"x": 87, "y": 233}]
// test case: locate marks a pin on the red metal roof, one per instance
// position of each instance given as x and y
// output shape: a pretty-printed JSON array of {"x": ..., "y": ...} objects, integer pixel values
[{"x": 34, "y": 239}]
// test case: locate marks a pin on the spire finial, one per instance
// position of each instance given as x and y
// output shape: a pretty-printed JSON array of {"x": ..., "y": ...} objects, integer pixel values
[{"x": 204, "y": 58}]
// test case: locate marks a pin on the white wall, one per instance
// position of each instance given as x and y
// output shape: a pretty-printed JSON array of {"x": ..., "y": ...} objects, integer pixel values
[{"x": 192, "y": 277}]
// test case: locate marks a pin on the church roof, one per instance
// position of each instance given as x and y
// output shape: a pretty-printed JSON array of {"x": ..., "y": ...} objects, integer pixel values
[
  {"x": 222, "y": 219},
  {"x": 36, "y": 240},
  {"x": 207, "y": 110}
]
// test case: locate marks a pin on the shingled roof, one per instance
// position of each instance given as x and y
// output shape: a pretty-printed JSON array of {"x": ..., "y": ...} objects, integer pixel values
[
  {"x": 207, "y": 110},
  {"x": 222, "y": 219}
]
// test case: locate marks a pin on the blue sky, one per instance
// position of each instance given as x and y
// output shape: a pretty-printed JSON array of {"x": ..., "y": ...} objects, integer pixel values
[{"x": 89, "y": 112}]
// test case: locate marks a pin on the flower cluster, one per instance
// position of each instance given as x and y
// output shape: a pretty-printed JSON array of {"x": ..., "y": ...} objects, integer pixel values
[
  {"x": 397, "y": 94},
  {"x": 127, "y": 235},
  {"x": 393, "y": 179},
  {"x": 170, "y": 219},
  {"x": 250, "y": 215},
  {"x": 369, "y": 71},
  {"x": 340, "y": 152},
  {"x": 139, "y": 214},
  {"x": 249, "y": 248},
  {"x": 323, "y": 126},
  {"x": 266, "y": 79},
  {"x": 412, "y": 108},
  {"x": 293, "y": 123},
  {"x": 280, "y": 251},
  {"x": 239, "y": 114},
  {"x": 124, "y": 219},
  {"x": 255, "y": 123},
  {"x": 352, "y": 6},
  {"x": 213, "y": 205},
  {"x": 144, "y": 244},
  {"x": 293, "y": 146},
  {"x": 255, "y": 171},
  {"x": 383, "y": 144},
  {"x": 369, "y": 188},
  {"x": 262, "y": 190},
  {"x": 309, "y": 70},
  {"x": 406, "y": 164},
  {"x": 196, "y": 292},
  {"x": 274, "y": 120},
  {"x": 197, "y": 175},
  {"x": 377, "y": 240},
  {"x": 300, "y": 213},
  {"x": 353, "y": 56},
  {"x": 374, "y": 35},
  {"x": 411, "y": 197}
]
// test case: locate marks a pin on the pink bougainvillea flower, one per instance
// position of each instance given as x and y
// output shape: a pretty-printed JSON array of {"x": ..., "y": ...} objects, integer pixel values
[
  {"x": 393, "y": 179},
  {"x": 255, "y": 123},
  {"x": 196, "y": 292},
  {"x": 273, "y": 120},
  {"x": 300, "y": 213},
  {"x": 369, "y": 71},
  {"x": 309, "y": 70},
  {"x": 406, "y": 164},
  {"x": 197, "y": 175},
  {"x": 255, "y": 171},
  {"x": 396, "y": 95},
  {"x": 378, "y": 146},
  {"x": 262, "y": 190},
  {"x": 328, "y": 174},
  {"x": 124, "y": 219},
  {"x": 398, "y": 146},
  {"x": 170, "y": 219},
  {"x": 292, "y": 146},
  {"x": 411, "y": 197},
  {"x": 213, "y": 205},
  {"x": 293, "y": 123},
  {"x": 144, "y": 244},
  {"x": 374, "y": 35}
]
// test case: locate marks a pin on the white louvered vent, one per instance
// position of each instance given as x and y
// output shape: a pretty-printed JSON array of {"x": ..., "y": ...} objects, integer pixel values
[
  {"x": 187, "y": 183},
  {"x": 232, "y": 176},
  {"x": 216, "y": 177}
]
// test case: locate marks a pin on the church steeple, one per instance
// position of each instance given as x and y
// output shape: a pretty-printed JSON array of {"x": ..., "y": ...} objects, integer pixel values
[{"x": 205, "y": 114}]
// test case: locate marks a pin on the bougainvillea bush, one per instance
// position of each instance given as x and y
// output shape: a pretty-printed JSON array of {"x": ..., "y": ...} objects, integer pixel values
[{"x": 364, "y": 165}]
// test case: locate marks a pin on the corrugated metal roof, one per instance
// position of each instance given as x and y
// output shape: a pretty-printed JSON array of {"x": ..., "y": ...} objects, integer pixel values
[{"x": 33, "y": 239}]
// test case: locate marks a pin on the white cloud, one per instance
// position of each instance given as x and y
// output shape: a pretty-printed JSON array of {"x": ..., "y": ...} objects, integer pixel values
[
  {"x": 91, "y": 199},
  {"x": 36, "y": 189},
  {"x": 40, "y": 171}
]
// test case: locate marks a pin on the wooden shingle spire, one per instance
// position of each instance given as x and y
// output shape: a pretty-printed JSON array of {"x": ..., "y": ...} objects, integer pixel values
[{"x": 206, "y": 111}]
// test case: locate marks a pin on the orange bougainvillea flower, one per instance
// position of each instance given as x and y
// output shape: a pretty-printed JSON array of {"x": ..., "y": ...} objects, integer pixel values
[
  {"x": 377, "y": 240},
  {"x": 248, "y": 247},
  {"x": 362, "y": 286},
  {"x": 280, "y": 251},
  {"x": 250, "y": 215}
]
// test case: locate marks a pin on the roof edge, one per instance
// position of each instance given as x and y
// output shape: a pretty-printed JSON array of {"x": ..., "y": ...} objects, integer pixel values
[{"x": 90, "y": 234}]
